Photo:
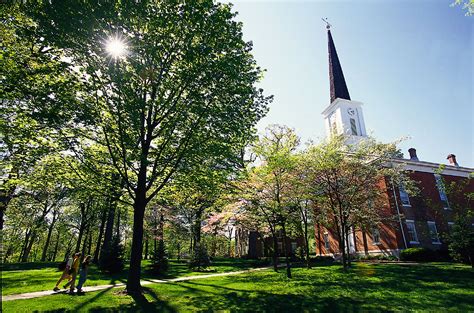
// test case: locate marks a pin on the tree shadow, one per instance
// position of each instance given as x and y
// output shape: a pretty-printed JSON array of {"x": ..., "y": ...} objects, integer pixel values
[
  {"x": 379, "y": 289},
  {"x": 91, "y": 300},
  {"x": 234, "y": 299},
  {"x": 140, "y": 304}
]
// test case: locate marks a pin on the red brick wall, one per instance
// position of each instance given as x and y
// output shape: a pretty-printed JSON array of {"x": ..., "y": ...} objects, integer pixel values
[{"x": 426, "y": 206}]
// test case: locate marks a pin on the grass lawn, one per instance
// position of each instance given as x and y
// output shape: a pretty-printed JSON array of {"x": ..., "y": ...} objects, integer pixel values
[
  {"x": 367, "y": 287},
  {"x": 30, "y": 277}
]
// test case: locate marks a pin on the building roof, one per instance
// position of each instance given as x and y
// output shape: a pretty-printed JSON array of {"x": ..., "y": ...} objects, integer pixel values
[
  {"x": 336, "y": 77},
  {"x": 434, "y": 168}
]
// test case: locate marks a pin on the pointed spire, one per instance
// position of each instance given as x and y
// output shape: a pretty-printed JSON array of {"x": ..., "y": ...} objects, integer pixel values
[{"x": 336, "y": 77}]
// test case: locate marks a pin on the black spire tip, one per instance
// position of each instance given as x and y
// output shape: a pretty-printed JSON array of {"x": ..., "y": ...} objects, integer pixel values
[{"x": 336, "y": 77}]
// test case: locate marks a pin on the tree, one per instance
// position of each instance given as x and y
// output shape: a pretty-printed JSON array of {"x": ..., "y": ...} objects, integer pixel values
[
  {"x": 460, "y": 236},
  {"x": 184, "y": 92},
  {"x": 199, "y": 258},
  {"x": 270, "y": 184},
  {"x": 159, "y": 260},
  {"x": 467, "y": 5},
  {"x": 344, "y": 181},
  {"x": 461, "y": 241},
  {"x": 35, "y": 92}
]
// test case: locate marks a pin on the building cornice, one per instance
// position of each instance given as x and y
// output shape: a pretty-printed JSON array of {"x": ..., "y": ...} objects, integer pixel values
[
  {"x": 434, "y": 168},
  {"x": 337, "y": 102}
]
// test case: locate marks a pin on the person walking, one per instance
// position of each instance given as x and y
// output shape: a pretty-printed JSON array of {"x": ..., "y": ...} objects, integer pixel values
[
  {"x": 83, "y": 273},
  {"x": 74, "y": 269},
  {"x": 65, "y": 274}
]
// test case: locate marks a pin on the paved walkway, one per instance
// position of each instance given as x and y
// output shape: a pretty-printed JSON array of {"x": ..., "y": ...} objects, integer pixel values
[{"x": 39, "y": 294}]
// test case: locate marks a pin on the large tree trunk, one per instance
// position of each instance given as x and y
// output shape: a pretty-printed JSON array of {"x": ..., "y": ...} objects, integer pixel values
[
  {"x": 133, "y": 282},
  {"x": 285, "y": 248},
  {"x": 139, "y": 205},
  {"x": 99, "y": 238},
  {"x": 48, "y": 237}
]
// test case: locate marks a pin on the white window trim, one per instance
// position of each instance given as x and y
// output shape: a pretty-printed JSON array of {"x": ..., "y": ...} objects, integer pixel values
[
  {"x": 416, "y": 234},
  {"x": 440, "y": 184},
  {"x": 437, "y": 234}
]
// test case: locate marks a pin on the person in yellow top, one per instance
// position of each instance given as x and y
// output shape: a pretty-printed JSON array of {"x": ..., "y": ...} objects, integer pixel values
[
  {"x": 73, "y": 272},
  {"x": 65, "y": 274}
]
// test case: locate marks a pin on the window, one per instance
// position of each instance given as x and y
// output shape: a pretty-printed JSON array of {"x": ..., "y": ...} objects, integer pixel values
[
  {"x": 441, "y": 190},
  {"x": 326, "y": 241},
  {"x": 433, "y": 232},
  {"x": 293, "y": 246},
  {"x": 404, "y": 196},
  {"x": 375, "y": 236},
  {"x": 412, "y": 236},
  {"x": 353, "y": 127}
]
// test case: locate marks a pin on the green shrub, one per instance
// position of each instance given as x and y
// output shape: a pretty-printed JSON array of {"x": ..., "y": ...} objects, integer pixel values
[
  {"x": 418, "y": 255},
  {"x": 159, "y": 260},
  {"x": 200, "y": 259},
  {"x": 112, "y": 260}
]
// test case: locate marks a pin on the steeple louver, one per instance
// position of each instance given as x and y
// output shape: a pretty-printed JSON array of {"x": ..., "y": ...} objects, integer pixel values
[{"x": 336, "y": 77}]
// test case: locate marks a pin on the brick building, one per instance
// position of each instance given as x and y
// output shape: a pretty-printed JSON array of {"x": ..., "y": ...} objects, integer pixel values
[{"x": 419, "y": 221}]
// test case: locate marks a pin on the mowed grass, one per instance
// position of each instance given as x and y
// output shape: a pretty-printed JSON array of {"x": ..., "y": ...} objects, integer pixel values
[
  {"x": 30, "y": 277},
  {"x": 366, "y": 287}
]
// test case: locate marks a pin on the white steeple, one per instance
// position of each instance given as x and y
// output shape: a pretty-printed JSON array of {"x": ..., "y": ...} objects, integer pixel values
[{"x": 342, "y": 116}]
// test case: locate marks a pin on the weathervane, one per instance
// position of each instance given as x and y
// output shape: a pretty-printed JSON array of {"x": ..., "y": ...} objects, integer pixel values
[{"x": 325, "y": 20}]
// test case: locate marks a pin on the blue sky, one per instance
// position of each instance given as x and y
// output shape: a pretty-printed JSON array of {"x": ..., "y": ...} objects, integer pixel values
[{"x": 410, "y": 63}]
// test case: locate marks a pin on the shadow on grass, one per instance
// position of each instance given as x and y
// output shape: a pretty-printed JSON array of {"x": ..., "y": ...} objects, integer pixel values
[
  {"x": 91, "y": 300},
  {"x": 384, "y": 288},
  {"x": 233, "y": 299}
]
